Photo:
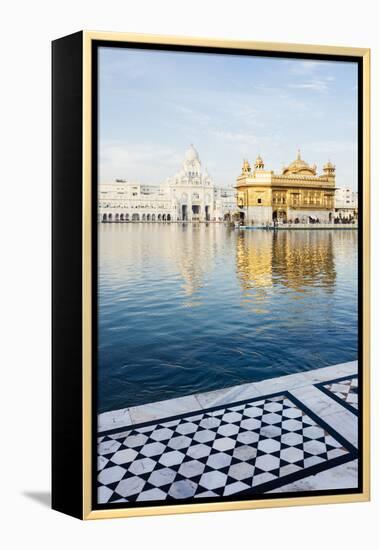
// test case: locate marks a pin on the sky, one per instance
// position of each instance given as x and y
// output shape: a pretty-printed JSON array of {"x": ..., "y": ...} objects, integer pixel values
[{"x": 154, "y": 104}]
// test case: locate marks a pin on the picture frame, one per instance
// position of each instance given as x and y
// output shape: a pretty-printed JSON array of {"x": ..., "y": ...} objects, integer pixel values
[{"x": 76, "y": 150}]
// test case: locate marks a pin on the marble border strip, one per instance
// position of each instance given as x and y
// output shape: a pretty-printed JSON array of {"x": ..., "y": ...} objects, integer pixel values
[
  {"x": 197, "y": 402},
  {"x": 344, "y": 476},
  {"x": 321, "y": 386}
]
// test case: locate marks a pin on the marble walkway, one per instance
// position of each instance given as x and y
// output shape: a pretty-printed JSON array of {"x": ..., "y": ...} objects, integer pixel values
[{"x": 287, "y": 434}]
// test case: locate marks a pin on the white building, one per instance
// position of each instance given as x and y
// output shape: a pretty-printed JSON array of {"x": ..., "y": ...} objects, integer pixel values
[
  {"x": 129, "y": 201},
  {"x": 225, "y": 203},
  {"x": 189, "y": 195},
  {"x": 346, "y": 203},
  {"x": 192, "y": 189}
]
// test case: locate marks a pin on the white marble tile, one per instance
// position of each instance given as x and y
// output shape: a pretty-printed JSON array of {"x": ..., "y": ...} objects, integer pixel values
[
  {"x": 103, "y": 494},
  {"x": 113, "y": 419},
  {"x": 210, "y": 422},
  {"x": 135, "y": 440},
  {"x": 232, "y": 417},
  {"x": 247, "y": 438},
  {"x": 124, "y": 456},
  {"x": 142, "y": 466},
  {"x": 130, "y": 486},
  {"x": 312, "y": 461},
  {"x": 199, "y": 451},
  {"x": 236, "y": 487},
  {"x": 162, "y": 477},
  {"x": 316, "y": 400},
  {"x": 179, "y": 442},
  {"x": 344, "y": 476},
  {"x": 219, "y": 460},
  {"x": 162, "y": 434},
  {"x": 191, "y": 468},
  {"x": 107, "y": 447},
  {"x": 190, "y": 427},
  {"x": 314, "y": 447},
  {"x": 245, "y": 452},
  {"x": 292, "y": 438},
  {"x": 329, "y": 373},
  {"x": 171, "y": 458},
  {"x": 204, "y": 436},
  {"x": 281, "y": 383},
  {"x": 228, "y": 430},
  {"x": 153, "y": 449},
  {"x": 183, "y": 489},
  {"x": 263, "y": 478},
  {"x": 268, "y": 446},
  {"x": 101, "y": 462},
  {"x": 151, "y": 494},
  {"x": 289, "y": 469},
  {"x": 345, "y": 423},
  {"x": 267, "y": 462},
  {"x": 291, "y": 454},
  {"x": 163, "y": 409},
  {"x": 213, "y": 480},
  {"x": 227, "y": 395},
  {"x": 110, "y": 475}
]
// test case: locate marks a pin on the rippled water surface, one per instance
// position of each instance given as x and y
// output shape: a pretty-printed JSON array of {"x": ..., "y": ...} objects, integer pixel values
[{"x": 190, "y": 308}]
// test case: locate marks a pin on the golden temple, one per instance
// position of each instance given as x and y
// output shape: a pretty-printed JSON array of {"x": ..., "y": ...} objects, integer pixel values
[{"x": 297, "y": 195}]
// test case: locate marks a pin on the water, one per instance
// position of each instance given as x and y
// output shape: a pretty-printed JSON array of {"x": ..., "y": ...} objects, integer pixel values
[{"x": 191, "y": 308}]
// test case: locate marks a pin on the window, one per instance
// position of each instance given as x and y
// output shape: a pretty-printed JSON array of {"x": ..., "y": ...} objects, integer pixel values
[{"x": 259, "y": 201}]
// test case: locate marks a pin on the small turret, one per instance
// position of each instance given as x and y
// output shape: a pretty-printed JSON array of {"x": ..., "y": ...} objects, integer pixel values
[
  {"x": 259, "y": 164},
  {"x": 246, "y": 167},
  {"x": 329, "y": 169}
]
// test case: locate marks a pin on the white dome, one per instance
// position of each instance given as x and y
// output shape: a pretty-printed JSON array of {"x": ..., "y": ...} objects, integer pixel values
[{"x": 191, "y": 154}]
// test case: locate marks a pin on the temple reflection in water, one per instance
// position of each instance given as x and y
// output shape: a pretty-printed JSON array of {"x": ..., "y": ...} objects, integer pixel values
[
  {"x": 292, "y": 259},
  {"x": 185, "y": 308},
  {"x": 263, "y": 259}
]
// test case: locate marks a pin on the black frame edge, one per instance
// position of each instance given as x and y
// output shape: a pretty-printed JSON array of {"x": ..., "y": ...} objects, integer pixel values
[{"x": 67, "y": 162}]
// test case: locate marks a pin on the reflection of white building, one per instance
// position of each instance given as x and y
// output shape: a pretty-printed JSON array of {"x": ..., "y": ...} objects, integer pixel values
[
  {"x": 189, "y": 195},
  {"x": 346, "y": 203}
]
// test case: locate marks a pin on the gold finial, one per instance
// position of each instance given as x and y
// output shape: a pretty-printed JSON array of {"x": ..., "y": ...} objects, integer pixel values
[{"x": 298, "y": 155}]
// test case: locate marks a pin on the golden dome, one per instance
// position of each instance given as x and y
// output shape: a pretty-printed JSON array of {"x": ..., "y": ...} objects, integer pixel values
[{"x": 299, "y": 166}]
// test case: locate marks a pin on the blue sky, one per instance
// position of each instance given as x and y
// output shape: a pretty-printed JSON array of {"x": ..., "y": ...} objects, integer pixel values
[{"x": 154, "y": 104}]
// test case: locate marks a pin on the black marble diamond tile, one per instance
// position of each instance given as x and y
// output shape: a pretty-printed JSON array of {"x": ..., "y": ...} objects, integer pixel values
[{"x": 242, "y": 448}]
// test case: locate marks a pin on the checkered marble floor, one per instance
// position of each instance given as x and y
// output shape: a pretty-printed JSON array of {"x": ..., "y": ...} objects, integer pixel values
[
  {"x": 253, "y": 446},
  {"x": 344, "y": 390}
]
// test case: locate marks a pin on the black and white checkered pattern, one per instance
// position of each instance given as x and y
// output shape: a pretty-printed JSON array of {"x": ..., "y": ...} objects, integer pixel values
[
  {"x": 344, "y": 390},
  {"x": 245, "y": 448}
]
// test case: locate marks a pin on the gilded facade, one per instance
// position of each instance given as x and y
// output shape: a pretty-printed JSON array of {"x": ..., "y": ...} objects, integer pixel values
[{"x": 297, "y": 195}]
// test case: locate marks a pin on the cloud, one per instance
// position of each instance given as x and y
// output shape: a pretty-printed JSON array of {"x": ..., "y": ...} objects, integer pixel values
[
  {"x": 313, "y": 73},
  {"x": 332, "y": 147},
  {"x": 314, "y": 85},
  {"x": 306, "y": 67},
  {"x": 147, "y": 163},
  {"x": 155, "y": 105}
]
